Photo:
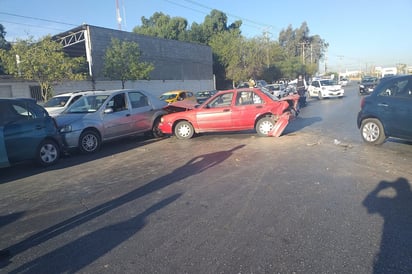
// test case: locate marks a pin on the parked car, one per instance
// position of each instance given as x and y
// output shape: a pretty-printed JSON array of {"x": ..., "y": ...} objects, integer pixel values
[
  {"x": 202, "y": 96},
  {"x": 325, "y": 88},
  {"x": 367, "y": 84},
  {"x": 243, "y": 85},
  {"x": 344, "y": 82},
  {"x": 278, "y": 90},
  {"x": 57, "y": 104},
  {"x": 107, "y": 115},
  {"x": 229, "y": 110},
  {"x": 27, "y": 132},
  {"x": 177, "y": 95},
  {"x": 387, "y": 111},
  {"x": 260, "y": 83}
]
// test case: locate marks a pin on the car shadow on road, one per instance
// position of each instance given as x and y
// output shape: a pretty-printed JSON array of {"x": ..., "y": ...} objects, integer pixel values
[
  {"x": 74, "y": 158},
  {"x": 97, "y": 243},
  {"x": 194, "y": 166},
  {"x": 393, "y": 201}
]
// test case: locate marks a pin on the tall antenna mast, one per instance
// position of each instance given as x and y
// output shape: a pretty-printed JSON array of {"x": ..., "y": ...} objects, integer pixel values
[{"x": 118, "y": 17}]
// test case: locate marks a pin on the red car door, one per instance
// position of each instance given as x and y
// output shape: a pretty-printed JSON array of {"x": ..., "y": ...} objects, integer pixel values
[
  {"x": 248, "y": 105},
  {"x": 217, "y": 115}
]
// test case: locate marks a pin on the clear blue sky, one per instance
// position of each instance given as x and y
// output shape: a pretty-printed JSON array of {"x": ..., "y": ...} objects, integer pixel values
[{"x": 360, "y": 33}]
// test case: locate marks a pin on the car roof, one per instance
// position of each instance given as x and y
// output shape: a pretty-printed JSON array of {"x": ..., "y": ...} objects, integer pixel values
[
  {"x": 174, "y": 91},
  {"x": 112, "y": 92},
  {"x": 74, "y": 92},
  {"x": 31, "y": 100}
]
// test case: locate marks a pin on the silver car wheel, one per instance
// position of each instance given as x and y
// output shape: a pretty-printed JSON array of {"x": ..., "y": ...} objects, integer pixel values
[
  {"x": 370, "y": 132},
  {"x": 89, "y": 142},
  {"x": 264, "y": 126},
  {"x": 184, "y": 130},
  {"x": 48, "y": 153}
]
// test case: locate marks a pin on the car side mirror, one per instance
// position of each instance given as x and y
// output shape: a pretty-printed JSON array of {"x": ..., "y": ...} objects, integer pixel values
[{"x": 108, "y": 110}]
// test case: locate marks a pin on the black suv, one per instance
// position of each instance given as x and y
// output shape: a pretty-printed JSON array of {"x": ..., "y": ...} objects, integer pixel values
[
  {"x": 367, "y": 84},
  {"x": 387, "y": 111},
  {"x": 27, "y": 132}
]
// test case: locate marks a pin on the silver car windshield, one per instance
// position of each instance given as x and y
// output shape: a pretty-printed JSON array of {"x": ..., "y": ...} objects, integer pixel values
[
  {"x": 87, "y": 104},
  {"x": 59, "y": 101}
]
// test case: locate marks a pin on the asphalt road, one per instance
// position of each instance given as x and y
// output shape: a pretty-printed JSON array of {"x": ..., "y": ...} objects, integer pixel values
[{"x": 315, "y": 200}]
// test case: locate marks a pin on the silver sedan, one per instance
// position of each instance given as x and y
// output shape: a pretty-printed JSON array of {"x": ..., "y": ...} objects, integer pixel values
[{"x": 107, "y": 115}]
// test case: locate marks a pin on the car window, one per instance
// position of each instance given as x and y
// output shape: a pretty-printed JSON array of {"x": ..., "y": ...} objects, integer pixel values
[
  {"x": 75, "y": 98},
  {"x": 248, "y": 98},
  {"x": 182, "y": 96},
  {"x": 390, "y": 88},
  {"x": 117, "y": 102},
  {"x": 168, "y": 96},
  {"x": 138, "y": 99},
  {"x": 222, "y": 100},
  {"x": 403, "y": 89},
  {"x": 89, "y": 103},
  {"x": 59, "y": 101},
  {"x": 328, "y": 82},
  {"x": 14, "y": 111}
]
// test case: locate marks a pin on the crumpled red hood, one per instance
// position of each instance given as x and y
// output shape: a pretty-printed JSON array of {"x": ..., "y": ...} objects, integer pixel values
[{"x": 180, "y": 106}]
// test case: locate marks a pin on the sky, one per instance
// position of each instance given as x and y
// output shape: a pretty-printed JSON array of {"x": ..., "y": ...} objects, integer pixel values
[{"x": 361, "y": 33}]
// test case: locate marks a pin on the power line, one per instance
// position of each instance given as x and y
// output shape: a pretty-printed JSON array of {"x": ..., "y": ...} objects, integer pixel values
[
  {"x": 30, "y": 25},
  {"x": 39, "y": 19},
  {"x": 232, "y": 15},
  {"x": 253, "y": 24}
]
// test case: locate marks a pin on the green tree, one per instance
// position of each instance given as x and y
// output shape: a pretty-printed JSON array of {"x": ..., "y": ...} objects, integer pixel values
[
  {"x": 163, "y": 26},
  {"x": 214, "y": 24},
  {"x": 42, "y": 61},
  {"x": 298, "y": 43},
  {"x": 228, "y": 51},
  {"x": 122, "y": 61},
  {"x": 3, "y": 45}
]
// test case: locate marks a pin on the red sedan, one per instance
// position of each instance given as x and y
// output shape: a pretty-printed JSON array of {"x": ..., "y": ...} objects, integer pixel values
[{"x": 229, "y": 110}]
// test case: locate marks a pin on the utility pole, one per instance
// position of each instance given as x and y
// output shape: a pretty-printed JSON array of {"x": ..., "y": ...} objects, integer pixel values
[
  {"x": 266, "y": 34},
  {"x": 118, "y": 17},
  {"x": 304, "y": 44}
]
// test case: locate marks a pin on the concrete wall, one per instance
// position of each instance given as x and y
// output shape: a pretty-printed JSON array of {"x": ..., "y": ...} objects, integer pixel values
[
  {"x": 173, "y": 60},
  {"x": 157, "y": 87},
  {"x": 178, "y": 65}
]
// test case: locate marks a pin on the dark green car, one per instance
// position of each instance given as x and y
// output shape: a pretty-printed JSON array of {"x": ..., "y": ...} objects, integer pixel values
[
  {"x": 27, "y": 132},
  {"x": 387, "y": 111}
]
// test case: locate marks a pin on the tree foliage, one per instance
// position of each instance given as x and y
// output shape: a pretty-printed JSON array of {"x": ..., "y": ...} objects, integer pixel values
[
  {"x": 297, "y": 43},
  {"x": 3, "y": 45},
  {"x": 163, "y": 26},
  {"x": 238, "y": 58},
  {"x": 122, "y": 61},
  {"x": 42, "y": 61}
]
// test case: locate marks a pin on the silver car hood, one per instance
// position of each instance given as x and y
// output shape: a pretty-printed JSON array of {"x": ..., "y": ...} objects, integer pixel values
[{"x": 67, "y": 119}]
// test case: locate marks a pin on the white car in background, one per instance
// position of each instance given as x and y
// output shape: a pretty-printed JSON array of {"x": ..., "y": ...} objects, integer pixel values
[
  {"x": 278, "y": 90},
  {"x": 59, "y": 103},
  {"x": 325, "y": 88},
  {"x": 343, "y": 82}
]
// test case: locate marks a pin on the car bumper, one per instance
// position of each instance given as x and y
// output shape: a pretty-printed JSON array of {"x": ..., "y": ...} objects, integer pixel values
[
  {"x": 71, "y": 139},
  {"x": 165, "y": 127},
  {"x": 331, "y": 94},
  {"x": 366, "y": 90},
  {"x": 359, "y": 119}
]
